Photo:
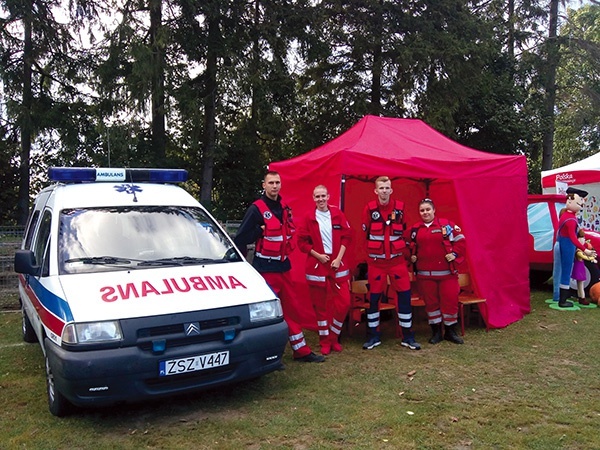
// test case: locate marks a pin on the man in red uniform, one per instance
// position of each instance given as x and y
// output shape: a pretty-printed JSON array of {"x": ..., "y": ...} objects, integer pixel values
[
  {"x": 268, "y": 222},
  {"x": 325, "y": 236},
  {"x": 437, "y": 246},
  {"x": 384, "y": 225}
]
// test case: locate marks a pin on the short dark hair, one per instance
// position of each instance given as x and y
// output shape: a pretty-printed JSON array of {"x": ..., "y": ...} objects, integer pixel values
[{"x": 270, "y": 172}]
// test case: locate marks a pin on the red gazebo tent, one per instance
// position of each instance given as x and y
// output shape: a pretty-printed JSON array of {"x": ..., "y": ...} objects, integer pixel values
[{"x": 484, "y": 193}]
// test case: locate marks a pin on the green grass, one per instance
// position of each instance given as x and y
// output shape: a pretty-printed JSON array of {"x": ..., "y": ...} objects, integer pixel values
[{"x": 532, "y": 385}]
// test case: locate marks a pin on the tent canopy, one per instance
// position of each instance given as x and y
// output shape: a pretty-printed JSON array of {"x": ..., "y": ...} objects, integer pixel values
[
  {"x": 584, "y": 174},
  {"x": 586, "y": 171},
  {"x": 485, "y": 194}
]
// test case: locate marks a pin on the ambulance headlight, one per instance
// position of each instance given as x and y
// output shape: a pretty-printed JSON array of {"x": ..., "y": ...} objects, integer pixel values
[
  {"x": 265, "y": 310},
  {"x": 92, "y": 332}
]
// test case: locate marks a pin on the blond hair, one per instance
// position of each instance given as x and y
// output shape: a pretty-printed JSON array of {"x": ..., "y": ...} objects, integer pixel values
[{"x": 382, "y": 179}]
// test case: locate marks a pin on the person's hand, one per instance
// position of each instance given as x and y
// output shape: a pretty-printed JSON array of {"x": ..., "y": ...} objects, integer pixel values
[
  {"x": 450, "y": 257},
  {"x": 589, "y": 252},
  {"x": 413, "y": 259},
  {"x": 323, "y": 259},
  {"x": 335, "y": 264}
]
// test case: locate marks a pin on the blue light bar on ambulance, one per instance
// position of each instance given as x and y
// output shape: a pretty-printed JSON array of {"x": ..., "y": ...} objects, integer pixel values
[{"x": 82, "y": 174}]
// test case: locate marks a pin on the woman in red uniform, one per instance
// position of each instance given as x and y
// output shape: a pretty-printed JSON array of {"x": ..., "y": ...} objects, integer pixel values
[
  {"x": 437, "y": 246},
  {"x": 324, "y": 236}
]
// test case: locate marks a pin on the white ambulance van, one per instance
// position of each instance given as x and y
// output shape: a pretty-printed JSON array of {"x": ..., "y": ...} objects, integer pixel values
[{"x": 134, "y": 291}]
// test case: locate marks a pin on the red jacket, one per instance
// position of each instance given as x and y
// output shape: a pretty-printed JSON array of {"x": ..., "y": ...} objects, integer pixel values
[
  {"x": 384, "y": 226},
  {"x": 309, "y": 238},
  {"x": 276, "y": 241},
  {"x": 431, "y": 244}
]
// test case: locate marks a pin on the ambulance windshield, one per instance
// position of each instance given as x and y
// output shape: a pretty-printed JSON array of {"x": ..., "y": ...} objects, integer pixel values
[{"x": 125, "y": 238}]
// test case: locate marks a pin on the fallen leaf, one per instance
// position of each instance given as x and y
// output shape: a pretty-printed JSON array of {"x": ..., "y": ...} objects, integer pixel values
[
  {"x": 454, "y": 419},
  {"x": 575, "y": 322},
  {"x": 411, "y": 373},
  {"x": 401, "y": 393},
  {"x": 410, "y": 413}
]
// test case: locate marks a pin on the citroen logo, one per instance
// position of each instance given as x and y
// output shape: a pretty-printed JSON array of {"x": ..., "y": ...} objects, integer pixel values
[{"x": 192, "y": 329}]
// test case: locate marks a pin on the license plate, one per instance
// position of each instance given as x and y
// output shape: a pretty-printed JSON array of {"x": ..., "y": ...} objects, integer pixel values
[{"x": 193, "y": 363}]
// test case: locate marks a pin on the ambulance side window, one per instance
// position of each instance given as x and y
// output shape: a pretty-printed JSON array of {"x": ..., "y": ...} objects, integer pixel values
[
  {"x": 42, "y": 243},
  {"x": 31, "y": 228}
]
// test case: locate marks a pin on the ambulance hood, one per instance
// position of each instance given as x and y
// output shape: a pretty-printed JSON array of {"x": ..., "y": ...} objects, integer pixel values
[{"x": 165, "y": 290}]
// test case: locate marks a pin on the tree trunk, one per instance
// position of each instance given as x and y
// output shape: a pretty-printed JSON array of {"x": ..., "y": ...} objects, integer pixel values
[
  {"x": 377, "y": 68},
  {"x": 159, "y": 140},
  {"x": 376, "y": 81},
  {"x": 550, "y": 86},
  {"x": 26, "y": 122},
  {"x": 208, "y": 153}
]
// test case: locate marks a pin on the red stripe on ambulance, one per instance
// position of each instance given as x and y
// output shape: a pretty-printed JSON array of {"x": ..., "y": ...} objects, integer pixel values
[
  {"x": 54, "y": 323},
  {"x": 169, "y": 286}
]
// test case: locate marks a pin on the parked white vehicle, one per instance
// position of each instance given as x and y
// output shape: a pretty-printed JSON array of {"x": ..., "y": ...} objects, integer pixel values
[{"x": 134, "y": 291}]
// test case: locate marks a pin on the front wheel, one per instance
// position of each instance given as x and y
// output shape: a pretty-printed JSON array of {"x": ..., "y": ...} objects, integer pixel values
[
  {"x": 58, "y": 405},
  {"x": 27, "y": 328}
]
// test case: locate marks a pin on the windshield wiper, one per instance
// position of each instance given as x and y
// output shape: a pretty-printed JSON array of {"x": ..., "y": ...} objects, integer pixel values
[
  {"x": 181, "y": 261},
  {"x": 100, "y": 260}
]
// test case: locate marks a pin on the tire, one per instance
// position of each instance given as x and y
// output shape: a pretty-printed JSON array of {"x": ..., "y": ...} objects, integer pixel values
[
  {"x": 594, "y": 272},
  {"x": 538, "y": 278},
  {"x": 28, "y": 331},
  {"x": 58, "y": 405}
]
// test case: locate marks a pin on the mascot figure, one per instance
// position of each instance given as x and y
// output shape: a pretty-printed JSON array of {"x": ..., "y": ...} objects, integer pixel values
[{"x": 567, "y": 242}]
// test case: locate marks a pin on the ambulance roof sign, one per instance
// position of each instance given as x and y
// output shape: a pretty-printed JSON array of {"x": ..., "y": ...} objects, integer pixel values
[{"x": 89, "y": 174}]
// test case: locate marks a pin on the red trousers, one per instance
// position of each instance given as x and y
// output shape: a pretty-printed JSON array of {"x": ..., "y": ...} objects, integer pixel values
[
  {"x": 281, "y": 284},
  {"x": 331, "y": 304},
  {"x": 441, "y": 298},
  {"x": 396, "y": 270}
]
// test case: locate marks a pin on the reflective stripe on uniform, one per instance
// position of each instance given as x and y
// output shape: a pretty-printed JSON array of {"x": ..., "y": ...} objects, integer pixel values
[
  {"x": 405, "y": 320},
  {"x": 300, "y": 344},
  {"x": 315, "y": 278},
  {"x": 273, "y": 238},
  {"x": 260, "y": 255},
  {"x": 296, "y": 337},
  {"x": 433, "y": 273},
  {"x": 336, "y": 327},
  {"x": 448, "y": 317},
  {"x": 343, "y": 273}
]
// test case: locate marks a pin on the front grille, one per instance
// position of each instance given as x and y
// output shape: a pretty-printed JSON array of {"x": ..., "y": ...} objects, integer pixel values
[
  {"x": 174, "y": 333},
  {"x": 178, "y": 328},
  {"x": 183, "y": 341}
]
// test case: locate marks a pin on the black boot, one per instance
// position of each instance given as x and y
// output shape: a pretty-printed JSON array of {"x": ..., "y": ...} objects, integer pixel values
[
  {"x": 451, "y": 335},
  {"x": 583, "y": 301},
  {"x": 436, "y": 337},
  {"x": 564, "y": 295}
]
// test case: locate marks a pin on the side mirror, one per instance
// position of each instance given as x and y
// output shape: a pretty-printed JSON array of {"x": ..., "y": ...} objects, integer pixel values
[
  {"x": 232, "y": 255},
  {"x": 25, "y": 263}
]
